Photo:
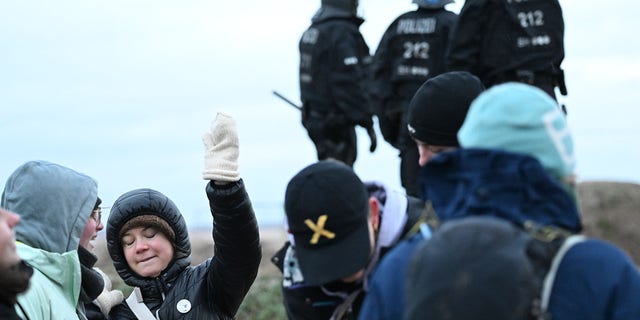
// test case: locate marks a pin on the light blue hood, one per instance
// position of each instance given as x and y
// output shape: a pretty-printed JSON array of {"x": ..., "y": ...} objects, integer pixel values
[{"x": 54, "y": 204}]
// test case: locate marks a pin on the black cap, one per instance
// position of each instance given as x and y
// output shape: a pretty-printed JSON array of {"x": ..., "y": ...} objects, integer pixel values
[
  {"x": 327, "y": 211},
  {"x": 438, "y": 108},
  {"x": 472, "y": 268}
]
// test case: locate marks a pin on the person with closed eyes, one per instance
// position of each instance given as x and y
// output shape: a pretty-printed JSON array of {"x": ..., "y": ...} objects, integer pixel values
[{"x": 148, "y": 241}]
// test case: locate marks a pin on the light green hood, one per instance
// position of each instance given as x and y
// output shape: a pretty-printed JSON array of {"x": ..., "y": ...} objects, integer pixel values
[
  {"x": 54, "y": 204},
  {"x": 62, "y": 270}
]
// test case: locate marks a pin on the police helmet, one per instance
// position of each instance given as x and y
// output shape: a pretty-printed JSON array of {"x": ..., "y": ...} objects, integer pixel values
[
  {"x": 347, "y": 5},
  {"x": 432, "y": 4}
]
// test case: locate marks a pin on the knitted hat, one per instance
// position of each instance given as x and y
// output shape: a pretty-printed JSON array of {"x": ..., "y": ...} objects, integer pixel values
[
  {"x": 327, "y": 212},
  {"x": 472, "y": 268},
  {"x": 440, "y": 105},
  {"x": 517, "y": 117},
  {"x": 149, "y": 220}
]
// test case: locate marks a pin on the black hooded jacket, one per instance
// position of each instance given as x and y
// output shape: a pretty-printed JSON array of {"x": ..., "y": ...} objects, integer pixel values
[
  {"x": 333, "y": 62},
  {"x": 412, "y": 50},
  {"x": 214, "y": 288},
  {"x": 501, "y": 41}
]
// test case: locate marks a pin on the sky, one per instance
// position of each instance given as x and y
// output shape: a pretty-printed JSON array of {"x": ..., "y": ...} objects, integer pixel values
[{"x": 122, "y": 91}]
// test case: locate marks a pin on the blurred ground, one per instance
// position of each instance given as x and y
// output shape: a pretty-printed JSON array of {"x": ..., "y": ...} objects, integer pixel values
[{"x": 610, "y": 211}]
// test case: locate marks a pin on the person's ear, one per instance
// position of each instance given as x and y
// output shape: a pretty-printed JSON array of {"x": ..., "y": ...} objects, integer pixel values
[{"x": 374, "y": 213}]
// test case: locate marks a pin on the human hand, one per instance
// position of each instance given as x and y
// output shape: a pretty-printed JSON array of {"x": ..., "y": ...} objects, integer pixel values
[
  {"x": 108, "y": 298},
  {"x": 221, "y": 150}
]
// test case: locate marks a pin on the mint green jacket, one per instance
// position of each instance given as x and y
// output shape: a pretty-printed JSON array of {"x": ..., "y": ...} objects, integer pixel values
[
  {"x": 54, "y": 204},
  {"x": 55, "y": 284}
]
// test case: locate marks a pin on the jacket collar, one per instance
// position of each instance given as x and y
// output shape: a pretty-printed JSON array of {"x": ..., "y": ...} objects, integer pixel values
[{"x": 515, "y": 187}]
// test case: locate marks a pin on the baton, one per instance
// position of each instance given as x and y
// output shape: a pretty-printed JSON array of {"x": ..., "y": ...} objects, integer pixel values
[{"x": 277, "y": 94}]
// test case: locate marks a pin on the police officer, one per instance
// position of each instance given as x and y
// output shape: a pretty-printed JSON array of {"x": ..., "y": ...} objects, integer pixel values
[
  {"x": 333, "y": 58},
  {"x": 511, "y": 40},
  {"x": 411, "y": 51}
]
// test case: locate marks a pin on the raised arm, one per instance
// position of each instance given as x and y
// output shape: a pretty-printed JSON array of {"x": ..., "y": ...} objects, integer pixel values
[{"x": 237, "y": 251}]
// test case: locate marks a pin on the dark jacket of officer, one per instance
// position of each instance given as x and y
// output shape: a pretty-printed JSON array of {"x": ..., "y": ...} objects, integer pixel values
[
  {"x": 511, "y": 40},
  {"x": 333, "y": 57},
  {"x": 411, "y": 51}
]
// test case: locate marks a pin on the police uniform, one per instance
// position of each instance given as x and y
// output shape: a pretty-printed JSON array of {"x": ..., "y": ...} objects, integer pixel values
[
  {"x": 511, "y": 40},
  {"x": 411, "y": 51},
  {"x": 332, "y": 77}
]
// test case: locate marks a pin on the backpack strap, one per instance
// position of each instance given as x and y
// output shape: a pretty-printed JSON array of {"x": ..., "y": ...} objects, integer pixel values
[
  {"x": 425, "y": 215},
  {"x": 425, "y": 231},
  {"x": 137, "y": 306},
  {"x": 416, "y": 214},
  {"x": 345, "y": 308},
  {"x": 555, "y": 264}
]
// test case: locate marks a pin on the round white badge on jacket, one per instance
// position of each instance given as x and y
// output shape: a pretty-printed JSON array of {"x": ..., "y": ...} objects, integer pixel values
[{"x": 183, "y": 306}]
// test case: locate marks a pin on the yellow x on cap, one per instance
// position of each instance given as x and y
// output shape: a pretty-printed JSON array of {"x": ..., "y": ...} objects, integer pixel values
[
  {"x": 318, "y": 229},
  {"x": 327, "y": 210}
]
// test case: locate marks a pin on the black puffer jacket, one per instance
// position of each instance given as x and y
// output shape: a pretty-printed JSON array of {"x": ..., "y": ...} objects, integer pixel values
[{"x": 216, "y": 287}]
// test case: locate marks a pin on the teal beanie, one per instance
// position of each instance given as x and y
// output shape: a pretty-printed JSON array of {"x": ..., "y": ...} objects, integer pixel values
[{"x": 517, "y": 117}]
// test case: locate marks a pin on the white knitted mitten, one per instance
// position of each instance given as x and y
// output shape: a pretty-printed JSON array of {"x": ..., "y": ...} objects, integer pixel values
[
  {"x": 108, "y": 298},
  {"x": 221, "y": 150}
]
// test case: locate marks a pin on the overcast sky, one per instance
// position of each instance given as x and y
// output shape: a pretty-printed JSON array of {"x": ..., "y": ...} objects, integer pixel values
[{"x": 122, "y": 90}]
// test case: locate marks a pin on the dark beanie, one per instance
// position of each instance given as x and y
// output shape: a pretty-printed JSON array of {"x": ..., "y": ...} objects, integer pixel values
[
  {"x": 440, "y": 105},
  {"x": 473, "y": 268},
  {"x": 149, "y": 220}
]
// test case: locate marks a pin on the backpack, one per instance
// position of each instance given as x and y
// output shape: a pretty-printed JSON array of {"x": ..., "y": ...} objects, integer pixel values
[{"x": 485, "y": 268}]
